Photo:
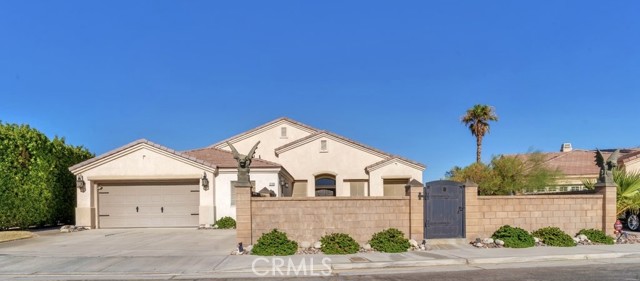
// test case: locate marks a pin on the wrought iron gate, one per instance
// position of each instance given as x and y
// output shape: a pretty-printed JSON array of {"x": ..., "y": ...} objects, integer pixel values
[{"x": 444, "y": 209}]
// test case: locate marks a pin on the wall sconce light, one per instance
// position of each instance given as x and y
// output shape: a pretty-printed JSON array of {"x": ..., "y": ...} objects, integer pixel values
[
  {"x": 205, "y": 182},
  {"x": 80, "y": 184}
]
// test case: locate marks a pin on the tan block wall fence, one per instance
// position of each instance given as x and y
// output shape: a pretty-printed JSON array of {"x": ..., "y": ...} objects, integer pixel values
[
  {"x": 309, "y": 218},
  {"x": 571, "y": 213}
]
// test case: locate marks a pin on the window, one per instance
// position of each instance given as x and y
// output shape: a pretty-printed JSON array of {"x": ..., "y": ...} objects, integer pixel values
[
  {"x": 325, "y": 185},
  {"x": 323, "y": 146},
  {"x": 395, "y": 187},
  {"x": 299, "y": 189},
  {"x": 283, "y": 132},
  {"x": 357, "y": 188}
]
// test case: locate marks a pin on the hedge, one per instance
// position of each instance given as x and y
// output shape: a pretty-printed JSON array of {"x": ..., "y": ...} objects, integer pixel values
[{"x": 36, "y": 187}]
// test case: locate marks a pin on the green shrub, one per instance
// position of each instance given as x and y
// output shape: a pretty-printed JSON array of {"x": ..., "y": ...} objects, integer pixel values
[
  {"x": 36, "y": 186},
  {"x": 226, "y": 223},
  {"x": 514, "y": 237},
  {"x": 598, "y": 236},
  {"x": 553, "y": 236},
  {"x": 390, "y": 241},
  {"x": 275, "y": 243},
  {"x": 339, "y": 244}
]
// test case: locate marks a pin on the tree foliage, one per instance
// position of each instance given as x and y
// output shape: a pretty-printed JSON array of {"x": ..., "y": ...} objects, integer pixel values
[
  {"x": 36, "y": 187},
  {"x": 477, "y": 119},
  {"x": 628, "y": 191},
  {"x": 507, "y": 174}
]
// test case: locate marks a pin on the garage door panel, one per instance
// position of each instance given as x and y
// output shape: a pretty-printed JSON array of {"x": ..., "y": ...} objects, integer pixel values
[{"x": 158, "y": 205}]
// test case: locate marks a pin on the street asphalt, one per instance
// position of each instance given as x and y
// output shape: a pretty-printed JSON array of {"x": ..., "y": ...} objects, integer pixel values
[{"x": 163, "y": 254}]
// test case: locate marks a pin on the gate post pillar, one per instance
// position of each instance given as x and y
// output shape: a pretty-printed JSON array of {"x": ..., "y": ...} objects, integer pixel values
[
  {"x": 472, "y": 206},
  {"x": 243, "y": 213},
  {"x": 416, "y": 210}
]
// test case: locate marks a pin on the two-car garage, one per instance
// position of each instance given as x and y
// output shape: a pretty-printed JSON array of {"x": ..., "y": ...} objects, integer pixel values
[
  {"x": 148, "y": 204},
  {"x": 143, "y": 184}
]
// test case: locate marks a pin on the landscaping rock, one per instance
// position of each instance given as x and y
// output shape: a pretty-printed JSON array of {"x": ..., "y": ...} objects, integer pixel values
[
  {"x": 583, "y": 237},
  {"x": 536, "y": 239},
  {"x": 367, "y": 247},
  {"x": 499, "y": 242},
  {"x": 317, "y": 245},
  {"x": 576, "y": 239},
  {"x": 305, "y": 244},
  {"x": 487, "y": 241},
  {"x": 413, "y": 243},
  {"x": 479, "y": 245}
]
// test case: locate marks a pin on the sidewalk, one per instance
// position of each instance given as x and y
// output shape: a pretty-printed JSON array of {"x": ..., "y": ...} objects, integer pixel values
[{"x": 199, "y": 267}]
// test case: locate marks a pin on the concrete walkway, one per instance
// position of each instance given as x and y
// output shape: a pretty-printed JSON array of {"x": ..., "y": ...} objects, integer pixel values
[{"x": 191, "y": 254}]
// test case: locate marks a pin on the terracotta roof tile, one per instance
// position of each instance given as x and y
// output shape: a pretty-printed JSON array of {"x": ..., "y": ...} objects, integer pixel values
[
  {"x": 582, "y": 162},
  {"x": 224, "y": 159}
]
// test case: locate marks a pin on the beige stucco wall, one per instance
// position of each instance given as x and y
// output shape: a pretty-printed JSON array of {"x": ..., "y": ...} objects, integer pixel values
[
  {"x": 393, "y": 169},
  {"x": 141, "y": 162},
  {"x": 341, "y": 160},
  {"x": 633, "y": 166},
  {"x": 269, "y": 138},
  {"x": 262, "y": 178}
]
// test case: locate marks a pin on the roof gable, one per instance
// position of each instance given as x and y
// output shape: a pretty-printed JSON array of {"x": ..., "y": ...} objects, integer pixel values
[
  {"x": 134, "y": 146},
  {"x": 346, "y": 141},
  {"x": 262, "y": 128},
  {"x": 392, "y": 160}
]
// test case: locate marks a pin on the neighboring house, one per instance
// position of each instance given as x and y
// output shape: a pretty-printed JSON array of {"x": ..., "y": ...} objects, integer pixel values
[
  {"x": 143, "y": 184},
  {"x": 577, "y": 165}
]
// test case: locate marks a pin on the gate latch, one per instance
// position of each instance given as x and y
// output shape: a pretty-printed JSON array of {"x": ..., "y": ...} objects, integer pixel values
[
  {"x": 420, "y": 196},
  {"x": 460, "y": 209}
]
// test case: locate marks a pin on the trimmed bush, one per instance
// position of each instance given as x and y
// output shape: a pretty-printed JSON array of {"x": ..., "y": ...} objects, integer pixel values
[
  {"x": 339, "y": 244},
  {"x": 514, "y": 237},
  {"x": 226, "y": 223},
  {"x": 36, "y": 187},
  {"x": 597, "y": 236},
  {"x": 553, "y": 236},
  {"x": 390, "y": 241},
  {"x": 275, "y": 243}
]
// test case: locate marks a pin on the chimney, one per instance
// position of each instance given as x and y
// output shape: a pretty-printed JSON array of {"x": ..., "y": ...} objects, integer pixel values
[{"x": 566, "y": 147}]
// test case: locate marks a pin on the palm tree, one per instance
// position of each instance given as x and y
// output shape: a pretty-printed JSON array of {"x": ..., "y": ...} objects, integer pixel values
[
  {"x": 628, "y": 196},
  {"x": 477, "y": 118}
]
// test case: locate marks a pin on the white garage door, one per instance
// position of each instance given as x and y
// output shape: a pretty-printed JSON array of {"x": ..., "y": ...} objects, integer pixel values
[{"x": 148, "y": 205}]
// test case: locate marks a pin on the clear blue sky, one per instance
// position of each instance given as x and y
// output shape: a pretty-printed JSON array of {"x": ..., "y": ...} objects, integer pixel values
[{"x": 396, "y": 75}]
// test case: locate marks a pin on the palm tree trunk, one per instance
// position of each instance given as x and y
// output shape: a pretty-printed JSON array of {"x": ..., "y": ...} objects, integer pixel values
[{"x": 478, "y": 148}]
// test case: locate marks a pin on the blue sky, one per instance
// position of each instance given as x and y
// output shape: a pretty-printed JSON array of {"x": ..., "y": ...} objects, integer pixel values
[{"x": 396, "y": 75}]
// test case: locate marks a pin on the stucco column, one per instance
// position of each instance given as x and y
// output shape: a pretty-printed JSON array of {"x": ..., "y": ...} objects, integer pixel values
[
  {"x": 416, "y": 211},
  {"x": 207, "y": 201},
  {"x": 86, "y": 208},
  {"x": 608, "y": 190},
  {"x": 243, "y": 213},
  {"x": 471, "y": 211}
]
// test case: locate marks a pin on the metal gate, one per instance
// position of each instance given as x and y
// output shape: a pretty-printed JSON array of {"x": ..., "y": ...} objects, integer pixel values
[{"x": 444, "y": 209}]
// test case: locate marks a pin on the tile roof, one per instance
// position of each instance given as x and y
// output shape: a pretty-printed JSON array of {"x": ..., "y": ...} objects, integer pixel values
[
  {"x": 224, "y": 159},
  {"x": 583, "y": 162},
  {"x": 305, "y": 126},
  {"x": 327, "y": 133},
  {"x": 137, "y": 142}
]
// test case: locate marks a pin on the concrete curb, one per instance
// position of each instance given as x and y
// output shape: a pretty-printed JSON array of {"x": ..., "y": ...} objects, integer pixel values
[{"x": 396, "y": 264}]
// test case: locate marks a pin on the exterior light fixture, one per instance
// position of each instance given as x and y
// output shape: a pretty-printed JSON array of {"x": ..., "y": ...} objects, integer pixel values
[
  {"x": 80, "y": 183},
  {"x": 205, "y": 182}
]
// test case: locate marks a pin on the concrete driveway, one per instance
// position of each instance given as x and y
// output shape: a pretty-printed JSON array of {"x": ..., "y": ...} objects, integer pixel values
[{"x": 112, "y": 252}]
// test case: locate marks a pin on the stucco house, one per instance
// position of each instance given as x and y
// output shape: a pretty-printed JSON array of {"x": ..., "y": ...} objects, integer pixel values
[{"x": 143, "y": 184}]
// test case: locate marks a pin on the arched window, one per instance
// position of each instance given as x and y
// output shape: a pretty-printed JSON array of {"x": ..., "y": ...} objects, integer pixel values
[{"x": 325, "y": 185}]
